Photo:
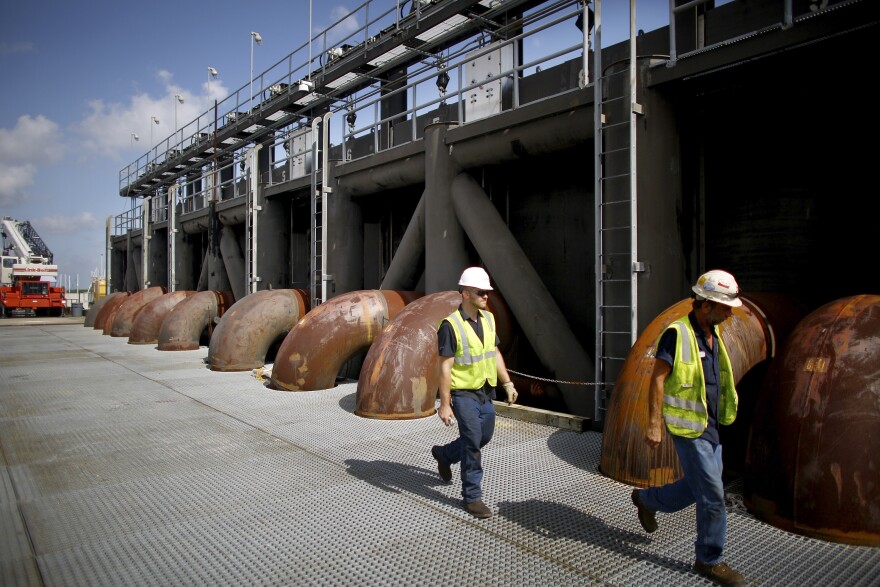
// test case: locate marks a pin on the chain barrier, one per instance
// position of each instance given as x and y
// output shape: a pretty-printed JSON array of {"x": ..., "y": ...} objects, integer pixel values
[{"x": 553, "y": 380}]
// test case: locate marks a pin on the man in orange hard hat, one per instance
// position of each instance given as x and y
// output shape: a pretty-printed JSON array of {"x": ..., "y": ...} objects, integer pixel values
[
  {"x": 470, "y": 367},
  {"x": 692, "y": 392}
]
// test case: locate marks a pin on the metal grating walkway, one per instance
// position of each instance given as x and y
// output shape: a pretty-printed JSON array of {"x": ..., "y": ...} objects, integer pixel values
[{"x": 124, "y": 465}]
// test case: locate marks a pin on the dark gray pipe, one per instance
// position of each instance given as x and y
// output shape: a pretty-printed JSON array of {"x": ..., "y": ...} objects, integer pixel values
[
  {"x": 535, "y": 309},
  {"x": 409, "y": 258},
  {"x": 345, "y": 243},
  {"x": 391, "y": 175},
  {"x": 538, "y": 136},
  {"x": 233, "y": 261},
  {"x": 445, "y": 251},
  {"x": 203, "y": 274}
]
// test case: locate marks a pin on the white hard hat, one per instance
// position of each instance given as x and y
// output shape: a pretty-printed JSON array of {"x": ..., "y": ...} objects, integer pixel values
[
  {"x": 718, "y": 286},
  {"x": 475, "y": 277}
]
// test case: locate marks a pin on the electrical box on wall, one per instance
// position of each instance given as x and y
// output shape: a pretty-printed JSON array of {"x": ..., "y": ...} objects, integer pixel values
[
  {"x": 492, "y": 96},
  {"x": 300, "y": 153}
]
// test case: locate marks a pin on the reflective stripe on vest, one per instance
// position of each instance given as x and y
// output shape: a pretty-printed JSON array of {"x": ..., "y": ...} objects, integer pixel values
[{"x": 474, "y": 361}]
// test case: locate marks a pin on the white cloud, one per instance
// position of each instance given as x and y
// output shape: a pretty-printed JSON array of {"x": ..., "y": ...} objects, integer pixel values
[
  {"x": 343, "y": 29},
  {"x": 67, "y": 225},
  {"x": 34, "y": 142},
  {"x": 13, "y": 181},
  {"x": 107, "y": 129}
]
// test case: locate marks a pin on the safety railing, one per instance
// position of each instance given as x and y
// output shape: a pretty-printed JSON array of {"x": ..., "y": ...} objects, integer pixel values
[
  {"x": 128, "y": 221},
  {"x": 446, "y": 83},
  {"x": 284, "y": 76}
]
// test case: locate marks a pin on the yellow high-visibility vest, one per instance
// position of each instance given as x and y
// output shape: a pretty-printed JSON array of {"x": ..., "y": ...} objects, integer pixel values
[
  {"x": 684, "y": 397},
  {"x": 474, "y": 361}
]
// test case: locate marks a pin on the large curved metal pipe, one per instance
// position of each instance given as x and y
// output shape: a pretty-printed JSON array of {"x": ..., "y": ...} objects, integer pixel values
[
  {"x": 184, "y": 325},
  {"x": 127, "y": 312},
  {"x": 109, "y": 307},
  {"x": 749, "y": 337},
  {"x": 400, "y": 375},
  {"x": 108, "y": 323},
  {"x": 331, "y": 334},
  {"x": 92, "y": 314},
  {"x": 146, "y": 326},
  {"x": 548, "y": 331},
  {"x": 813, "y": 464},
  {"x": 250, "y": 327}
]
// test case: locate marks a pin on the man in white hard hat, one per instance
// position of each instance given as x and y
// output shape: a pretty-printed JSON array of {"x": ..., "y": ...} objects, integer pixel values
[
  {"x": 470, "y": 367},
  {"x": 692, "y": 391}
]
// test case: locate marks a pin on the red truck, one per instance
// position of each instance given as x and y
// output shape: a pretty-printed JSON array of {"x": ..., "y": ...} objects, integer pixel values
[
  {"x": 31, "y": 291},
  {"x": 27, "y": 275}
]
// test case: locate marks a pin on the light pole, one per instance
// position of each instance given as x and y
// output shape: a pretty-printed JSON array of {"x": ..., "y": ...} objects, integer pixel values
[
  {"x": 212, "y": 73},
  {"x": 134, "y": 137},
  {"x": 254, "y": 37},
  {"x": 177, "y": 98},
  {"x": 156, "y": 120}
]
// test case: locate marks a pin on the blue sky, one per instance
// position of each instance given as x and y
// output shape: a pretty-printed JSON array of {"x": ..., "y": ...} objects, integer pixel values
[{"x": 79, "y": 77}]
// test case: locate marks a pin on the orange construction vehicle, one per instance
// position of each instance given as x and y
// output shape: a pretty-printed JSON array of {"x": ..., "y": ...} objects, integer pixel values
[{"x": 27, "y": 275}]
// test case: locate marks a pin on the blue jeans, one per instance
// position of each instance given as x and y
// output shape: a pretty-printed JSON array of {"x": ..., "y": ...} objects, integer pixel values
[
  {"x": 701, "y": 484},
  {"x": 476, "y": 425}
]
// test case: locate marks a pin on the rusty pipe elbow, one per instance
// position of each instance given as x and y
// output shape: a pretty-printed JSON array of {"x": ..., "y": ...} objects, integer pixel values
[
  {"x": 249, "y": 328},
  {"x": 331, "y": 334},
  {"x": 184, "y": 324},
  {"x": 127, "y": 312},
  {"x": 146, "y": 326},
  {"x": 108, "y": 308},
  {"x": 749, "y": 339}
]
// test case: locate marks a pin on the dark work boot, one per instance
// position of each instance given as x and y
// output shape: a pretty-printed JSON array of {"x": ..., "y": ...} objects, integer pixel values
[
  {"x": 646, "y": 516},
  {"x": 442, "y": 467}
]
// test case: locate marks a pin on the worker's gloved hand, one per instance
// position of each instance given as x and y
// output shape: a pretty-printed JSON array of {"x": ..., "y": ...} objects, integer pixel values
[{"x": 510, "y": 390}]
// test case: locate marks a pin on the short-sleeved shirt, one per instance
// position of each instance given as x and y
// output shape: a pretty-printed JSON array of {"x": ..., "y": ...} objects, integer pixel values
[
  {"x": 711, "y": 371},
  {"x": 447, "y": 345}
]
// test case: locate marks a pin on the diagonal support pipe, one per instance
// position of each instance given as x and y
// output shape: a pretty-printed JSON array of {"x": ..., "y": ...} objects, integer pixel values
[{"x": 531, "y": 303}]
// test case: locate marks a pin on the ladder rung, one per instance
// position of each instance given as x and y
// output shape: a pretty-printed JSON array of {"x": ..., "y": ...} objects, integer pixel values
[
  {"x": 616, "y": 176},
  {"x": 615, "y": 151},
  {"x": 612, "y": 125},
  {"x": 616, "y": 202}
]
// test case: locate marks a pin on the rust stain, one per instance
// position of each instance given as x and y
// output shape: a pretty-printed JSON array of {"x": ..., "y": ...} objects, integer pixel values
[{"x": 838, "y": 480}]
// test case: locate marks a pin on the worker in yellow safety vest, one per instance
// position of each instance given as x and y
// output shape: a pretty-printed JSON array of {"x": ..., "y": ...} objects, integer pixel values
[
  {"x": 470, "y": 367},
  {"x": 692, "y": 391}
]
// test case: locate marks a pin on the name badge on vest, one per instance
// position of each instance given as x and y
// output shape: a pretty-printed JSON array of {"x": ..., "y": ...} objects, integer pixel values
[{"x": 702, "y": 354}]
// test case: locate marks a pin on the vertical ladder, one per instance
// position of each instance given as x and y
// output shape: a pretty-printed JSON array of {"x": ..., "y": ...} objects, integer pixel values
[
  {"x": 617, "y": 266},
  {"x": 171, "y": 202},
  {"x": 146, "y": 227},
  {"x": 320, "y": 191},
  {"x": 317, "y": 220},
  {"x": 253, "y": 208}
]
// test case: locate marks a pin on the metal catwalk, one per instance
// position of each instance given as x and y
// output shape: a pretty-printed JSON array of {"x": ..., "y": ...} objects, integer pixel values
[{"x": 123, "y": 465}]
